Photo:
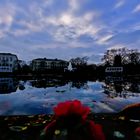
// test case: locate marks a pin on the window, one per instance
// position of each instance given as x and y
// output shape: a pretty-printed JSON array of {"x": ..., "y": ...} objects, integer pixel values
[{"x": 10, "y": 58}]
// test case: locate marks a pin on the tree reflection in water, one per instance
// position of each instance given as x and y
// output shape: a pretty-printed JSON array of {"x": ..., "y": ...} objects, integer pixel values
[
  {"x": 80, "y": 84},
  {"x": 121, "y": 88},
  {"x": 44, "y": 83},
  {"x": 8, "y": 85}
]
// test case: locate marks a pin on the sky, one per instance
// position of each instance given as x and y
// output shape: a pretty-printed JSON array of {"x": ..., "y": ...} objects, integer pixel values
[{"x": 67, "y": 29}]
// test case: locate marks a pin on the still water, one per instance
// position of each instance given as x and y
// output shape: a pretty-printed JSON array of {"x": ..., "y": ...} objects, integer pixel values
[{"x": 30, "y": 97}]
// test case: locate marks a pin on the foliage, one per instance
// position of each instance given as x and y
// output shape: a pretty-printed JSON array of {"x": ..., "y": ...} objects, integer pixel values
[
  {"x": 121, "y": 56},
  {"x": 79, "y": 61}
]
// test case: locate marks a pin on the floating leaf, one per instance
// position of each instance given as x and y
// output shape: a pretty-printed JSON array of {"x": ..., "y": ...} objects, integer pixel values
[
  {"x": 122, "y": 118},
  {"x": 118, "y": 134},
  {"x": 36, "y": 124},
  {"x": 6, "y": 118},
  {"x": 44, "y": 122},
  {"x": 18, "y": 128},
  {"x": 57, "y": 132}
]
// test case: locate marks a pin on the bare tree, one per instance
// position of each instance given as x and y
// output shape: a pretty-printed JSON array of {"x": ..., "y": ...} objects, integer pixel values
[
  {"x": 79, "y": 61},
  {"x": 121, "y": 56}
]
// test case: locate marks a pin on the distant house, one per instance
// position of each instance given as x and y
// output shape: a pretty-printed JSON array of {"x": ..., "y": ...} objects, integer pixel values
[
  {"x": 8, "y": 62},
  {"x": 48, "y": 64},
  {"x": 114, "y": 71}
]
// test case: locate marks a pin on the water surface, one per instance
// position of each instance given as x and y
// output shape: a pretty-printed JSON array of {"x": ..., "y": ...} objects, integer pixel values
[{"x": 32, "y": 97}]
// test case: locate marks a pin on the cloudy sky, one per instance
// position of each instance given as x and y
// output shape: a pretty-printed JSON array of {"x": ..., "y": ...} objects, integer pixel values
[{"x": 68, "y": 28}]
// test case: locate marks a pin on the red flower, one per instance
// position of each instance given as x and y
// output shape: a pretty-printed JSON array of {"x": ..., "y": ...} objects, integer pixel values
[
  {"x": 96, "y": 131},
  {"x": 71, "y": 107},
  {"x": 52, "y": 124},
  {"x": 137, "y": 131}
]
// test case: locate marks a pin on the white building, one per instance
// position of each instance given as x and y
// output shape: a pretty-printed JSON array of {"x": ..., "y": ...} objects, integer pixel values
[
  {"x": 8, "y": 62},
  {"x": 48, "y": 64},
  {"x": 114, "y": 69}
]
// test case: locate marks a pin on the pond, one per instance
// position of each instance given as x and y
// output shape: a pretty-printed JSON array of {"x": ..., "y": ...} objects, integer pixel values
[{"x": 39, "y": 96}]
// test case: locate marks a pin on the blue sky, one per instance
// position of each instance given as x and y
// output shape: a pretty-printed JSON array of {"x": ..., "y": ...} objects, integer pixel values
[{"x": 68, "y": 28}]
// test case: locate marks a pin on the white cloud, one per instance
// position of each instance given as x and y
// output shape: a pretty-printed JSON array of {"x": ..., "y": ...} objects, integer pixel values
[
  {"x": 7, "y": 14},
  {"x": 136, "y": 9},
  {"x": 74, "y": 5},
  {"x": 66, "y": 19},
  {"x": 136, "y": 27},
  {"x": 44, "y": 46},
  {"x": 69, "y": 26},
  {"x": 6, "y": 19},
  {"x": 19, "y": 32},
  {"x": 1, "y": 34},
  {"x": 117, "y": 46},
  {"x": 28, "y": 27},
  {"x": 103, "y": 40},
  {"x": 73, "y": 32},
  {"x": 119, "y": 4},
  {"x": 31, "y": 26},
  {"x": 89, "y": 16},
  {"x": 63, "y": 26},
  {"x": 48, "y": 2}
]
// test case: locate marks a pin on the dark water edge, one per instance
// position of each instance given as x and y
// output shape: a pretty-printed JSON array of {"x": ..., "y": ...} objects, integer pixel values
[
  {"x": 30, "y": 127},
  {"x": 69, "y": 76}
]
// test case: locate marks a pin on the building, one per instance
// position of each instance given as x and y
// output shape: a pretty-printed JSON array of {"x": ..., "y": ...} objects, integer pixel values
[
  {"x": 48, "y": 64},
  {"x": 114, "y": 71},
  {"x": 8, "y": 62}
]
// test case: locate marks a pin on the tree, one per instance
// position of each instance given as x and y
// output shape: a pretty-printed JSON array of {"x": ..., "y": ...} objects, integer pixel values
[
  {"x": 117, "y": 60},
  {"x": 134, "y": 57},
  {"x": 79, "y": 61},
  {"x": 121, "y": 56}
]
